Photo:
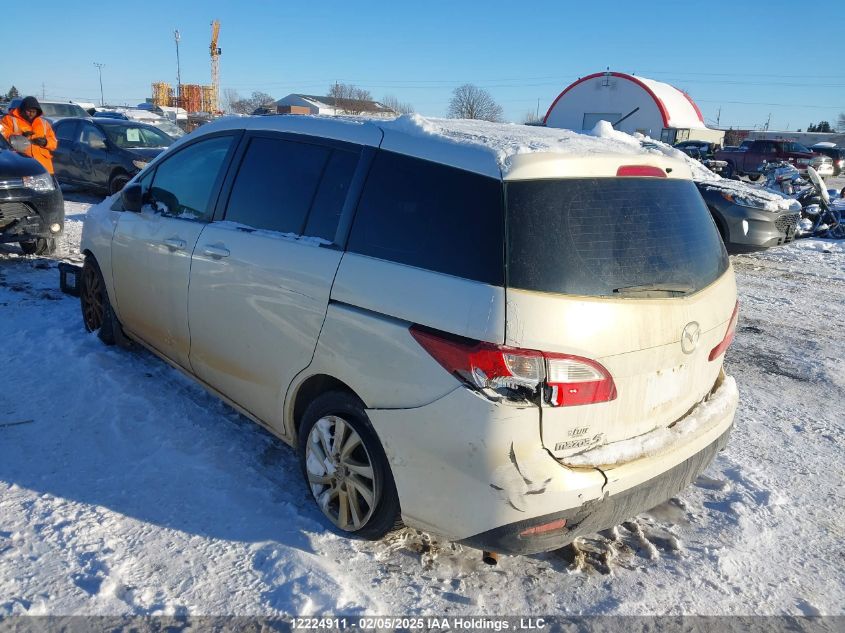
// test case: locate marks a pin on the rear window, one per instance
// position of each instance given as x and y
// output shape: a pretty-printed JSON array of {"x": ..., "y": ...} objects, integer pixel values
[{"x": 611, "y": 237}]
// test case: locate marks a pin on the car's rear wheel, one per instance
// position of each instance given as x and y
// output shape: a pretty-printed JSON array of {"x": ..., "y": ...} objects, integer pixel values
[
  {"x": 39, "y": 246},
  {"x": 97, "y": 313},
  {"x": 345, "y": 467},
  {"x": 753, "y": 177},
  {"x": 117, "y": 182},
  {"x": 728, "y": 171}
]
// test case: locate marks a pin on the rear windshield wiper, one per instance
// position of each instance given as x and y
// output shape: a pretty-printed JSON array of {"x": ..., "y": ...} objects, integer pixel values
[{"x": 669, "y": 287}]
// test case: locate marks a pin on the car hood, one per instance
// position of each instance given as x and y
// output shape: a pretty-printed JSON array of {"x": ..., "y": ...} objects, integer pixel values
[
  {"x": 712, "y": 191},
  {"x": 13, "y": 165}
]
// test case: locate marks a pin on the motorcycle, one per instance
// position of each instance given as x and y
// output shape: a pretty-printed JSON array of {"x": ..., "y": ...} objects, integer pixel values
[
  {"x": 820, "y": 217},
  {"x": 784, "y": 178}
]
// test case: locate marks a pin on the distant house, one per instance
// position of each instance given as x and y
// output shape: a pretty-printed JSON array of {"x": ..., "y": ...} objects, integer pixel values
[{"x": 312, "y": 104}]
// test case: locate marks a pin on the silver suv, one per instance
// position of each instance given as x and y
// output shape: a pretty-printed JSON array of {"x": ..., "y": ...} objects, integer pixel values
[{"x": 506, "y": 347}]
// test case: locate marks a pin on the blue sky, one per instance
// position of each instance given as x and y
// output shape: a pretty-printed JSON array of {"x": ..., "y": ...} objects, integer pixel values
[{"x": 751, "y": 59}]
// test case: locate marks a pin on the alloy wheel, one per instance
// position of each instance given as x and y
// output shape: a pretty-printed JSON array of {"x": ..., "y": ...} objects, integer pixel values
[
  {"x": 340, "y": 473},
  {"x": 92, "y": 299}
]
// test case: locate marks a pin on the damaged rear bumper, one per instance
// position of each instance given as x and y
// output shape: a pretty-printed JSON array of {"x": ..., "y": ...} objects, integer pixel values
[
  {"x": 476, "y": 472},
  {"x": 597, "y": 514}
]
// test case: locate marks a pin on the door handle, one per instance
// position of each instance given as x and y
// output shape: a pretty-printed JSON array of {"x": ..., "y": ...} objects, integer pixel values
[
  {"x": 175, "y": 244},
  {"x": 215, "y": 251}
]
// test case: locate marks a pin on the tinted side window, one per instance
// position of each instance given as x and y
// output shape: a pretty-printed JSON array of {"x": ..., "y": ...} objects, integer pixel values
[
  {"x": 431, "y": 216},
  {"x": 65, "y": 131},
  {"x": 276, "y": 184},
  {"x": 325, "y": 212},
  {"x": 183, "y": 184}
]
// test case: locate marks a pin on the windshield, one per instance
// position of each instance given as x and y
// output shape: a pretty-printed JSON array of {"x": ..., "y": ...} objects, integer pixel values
[
  {"x": 169, "y": 128},
  {"x": 611, "y": 237},
  {"x": 134, "y": 136},
  {"x": 62, "y": 110},
  {"x": 797, "y": 147}
]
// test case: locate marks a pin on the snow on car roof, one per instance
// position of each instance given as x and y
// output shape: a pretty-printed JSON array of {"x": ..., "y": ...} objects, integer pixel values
[
  {"x": 491, "y": 148},
  {"x": 479, "y": 146}
]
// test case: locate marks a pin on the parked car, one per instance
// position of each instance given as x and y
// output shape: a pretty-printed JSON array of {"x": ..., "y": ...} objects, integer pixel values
[
  {"x": 835, "y": 154},
  {"x": 703, "y": 151},
  {"x": 55, "y": 110},
  {"x": 507, "y": 380},
  {"x": 750, "y": 218},
  {"x": 32, "y": 211},
  {"x": 697, "y": 149},
  {"x": 104, "y": 153},
  {"x": 144, "y": 116},
  {"x": 750, "y": 157}
]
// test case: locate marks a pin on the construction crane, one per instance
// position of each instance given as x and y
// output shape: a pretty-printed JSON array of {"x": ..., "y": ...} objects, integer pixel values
[{"x": 215, "y": 66}]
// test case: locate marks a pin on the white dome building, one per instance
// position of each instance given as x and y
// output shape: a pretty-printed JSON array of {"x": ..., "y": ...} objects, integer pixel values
[{"x": 632, "y": 104}]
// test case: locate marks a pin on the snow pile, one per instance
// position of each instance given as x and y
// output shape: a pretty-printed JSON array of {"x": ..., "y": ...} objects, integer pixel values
[
  {"x": 506, "y": 140},
  {"x": 705, "y": 415}
]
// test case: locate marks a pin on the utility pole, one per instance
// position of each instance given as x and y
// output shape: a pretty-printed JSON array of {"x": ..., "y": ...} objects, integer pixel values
[
  {"x": 100, "y": 72},
  {"x": 43, "y": 92},
  {"x": 769, "y": 120},
  {"x": 718, "y": 116},
  {"x": 177, "y": 37}
]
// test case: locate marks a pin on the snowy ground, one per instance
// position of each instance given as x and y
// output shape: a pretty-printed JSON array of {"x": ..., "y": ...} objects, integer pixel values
[{"x": 126, "y": 489}]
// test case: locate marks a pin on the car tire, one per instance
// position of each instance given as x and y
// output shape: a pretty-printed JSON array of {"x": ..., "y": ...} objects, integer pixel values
[
  {"x": 97, "y": 313},
  {"x": 728, "y": 171},
  {"x": 39, "y": 246},
  {"x": 117, "y": 182},
  {"x": 753, "y": 177},
  {"x": 359, "y": 495}
]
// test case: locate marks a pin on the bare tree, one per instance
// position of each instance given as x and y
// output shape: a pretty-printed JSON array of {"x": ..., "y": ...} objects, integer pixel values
[
  {"x": 400, "y": 107},
  {"x": 230, "y": 97},
  {"x": 349, "y": 97},
  {"x": 471, "y": 102},
  {"x": 247, "y": 106}
]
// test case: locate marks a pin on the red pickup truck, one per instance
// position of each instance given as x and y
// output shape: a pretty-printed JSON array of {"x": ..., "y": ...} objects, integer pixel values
[{"x": 749, "y": 157}]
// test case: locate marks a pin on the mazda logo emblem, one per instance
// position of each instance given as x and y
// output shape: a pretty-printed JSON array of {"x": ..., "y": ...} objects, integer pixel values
[{"x": 690, "y": 337}]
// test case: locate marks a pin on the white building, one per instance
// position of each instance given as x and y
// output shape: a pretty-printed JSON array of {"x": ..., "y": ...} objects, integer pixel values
[
  {"x": 632, "y": 104},
  {"x": 298, "y": 103}
]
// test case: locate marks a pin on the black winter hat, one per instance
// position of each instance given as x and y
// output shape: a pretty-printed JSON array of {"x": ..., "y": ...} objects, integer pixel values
[{"x": 30, "y": 103}]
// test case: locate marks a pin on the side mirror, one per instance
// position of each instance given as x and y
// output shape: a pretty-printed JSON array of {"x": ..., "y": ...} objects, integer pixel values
[
  {"x": 132, "y": 197},
  {"x": 96, "y": 143}
]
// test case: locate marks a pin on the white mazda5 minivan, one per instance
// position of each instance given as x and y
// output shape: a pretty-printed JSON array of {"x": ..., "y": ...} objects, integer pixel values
[{"x": 507, "y": 336}]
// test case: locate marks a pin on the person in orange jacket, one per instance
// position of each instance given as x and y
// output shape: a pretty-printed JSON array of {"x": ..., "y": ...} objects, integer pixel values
[{"x": 26, "y": 120}]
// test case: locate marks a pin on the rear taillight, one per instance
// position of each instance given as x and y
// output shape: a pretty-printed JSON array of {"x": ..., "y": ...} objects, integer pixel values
[
  {"x": 722, "y": 347},
  {"x": 573, "y": 380},
  {"x": 640, "y": 170},
  {"x": 565, "y": 380}
]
